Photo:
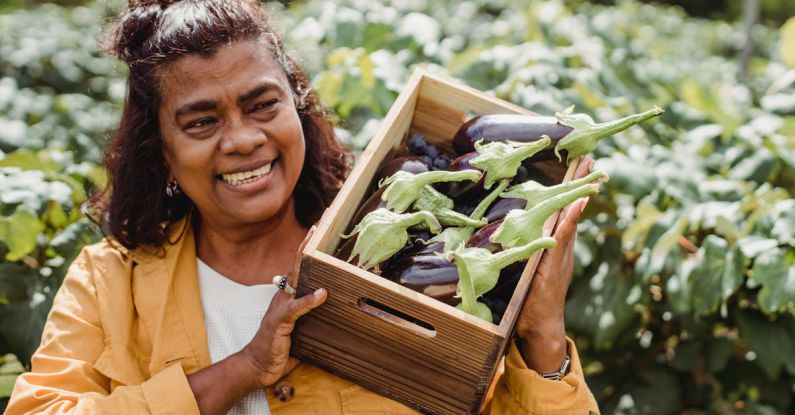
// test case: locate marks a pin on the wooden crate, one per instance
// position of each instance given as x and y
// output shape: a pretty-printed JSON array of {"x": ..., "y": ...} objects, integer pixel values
[{"x": 383, "y": 336}]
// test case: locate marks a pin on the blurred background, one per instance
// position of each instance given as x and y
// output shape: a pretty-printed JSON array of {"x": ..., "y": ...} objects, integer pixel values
[{"x": 684, "y": 293}]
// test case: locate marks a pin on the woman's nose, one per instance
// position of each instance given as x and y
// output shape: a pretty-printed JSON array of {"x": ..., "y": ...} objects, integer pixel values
[{"x": 241, "y": 137}]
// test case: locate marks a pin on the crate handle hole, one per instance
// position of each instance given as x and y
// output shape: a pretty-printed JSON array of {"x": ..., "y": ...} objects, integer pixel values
[{"x": 392, "y": 316}]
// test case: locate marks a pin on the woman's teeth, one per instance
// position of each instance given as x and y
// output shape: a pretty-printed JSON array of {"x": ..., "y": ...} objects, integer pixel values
[{"x": 246, "y": 176}]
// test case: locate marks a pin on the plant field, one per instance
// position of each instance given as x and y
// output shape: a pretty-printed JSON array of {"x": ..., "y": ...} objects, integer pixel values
[{"x": 684, "y": 293}]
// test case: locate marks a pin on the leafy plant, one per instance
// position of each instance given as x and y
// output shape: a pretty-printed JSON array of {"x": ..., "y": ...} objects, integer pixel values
[{"x": 683, "y": 298}]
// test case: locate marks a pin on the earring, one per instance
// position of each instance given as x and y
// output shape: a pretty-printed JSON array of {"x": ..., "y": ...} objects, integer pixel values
[{"x": 172, "y": 188}]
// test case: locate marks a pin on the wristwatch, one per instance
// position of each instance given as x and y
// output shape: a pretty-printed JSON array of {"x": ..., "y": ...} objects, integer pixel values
[
  {"x": 557, "y": 375},
  {"x": 560, "y": 373}
]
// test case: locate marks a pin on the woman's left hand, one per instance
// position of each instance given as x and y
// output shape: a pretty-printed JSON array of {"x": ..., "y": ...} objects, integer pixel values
[{"x": 540, "y": 325}]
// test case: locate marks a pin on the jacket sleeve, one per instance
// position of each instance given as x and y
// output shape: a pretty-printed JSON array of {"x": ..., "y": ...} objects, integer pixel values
[
  {"x": 523, "y": 391},
  {"x": 64, "y": 378}
]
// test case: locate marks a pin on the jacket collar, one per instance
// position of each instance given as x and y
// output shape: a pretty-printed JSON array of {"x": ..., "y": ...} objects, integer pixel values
[{"x": 166, "y": 293}]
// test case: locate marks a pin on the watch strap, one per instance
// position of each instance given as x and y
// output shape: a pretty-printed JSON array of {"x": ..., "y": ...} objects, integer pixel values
[{"x": 560, "y": 373}]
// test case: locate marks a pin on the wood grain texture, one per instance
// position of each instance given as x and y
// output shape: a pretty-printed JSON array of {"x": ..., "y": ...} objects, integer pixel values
[{"x": 424, "y": 353}]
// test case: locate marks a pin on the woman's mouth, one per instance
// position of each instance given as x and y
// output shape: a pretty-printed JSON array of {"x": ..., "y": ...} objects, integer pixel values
[{"x": 244, "y": 177}]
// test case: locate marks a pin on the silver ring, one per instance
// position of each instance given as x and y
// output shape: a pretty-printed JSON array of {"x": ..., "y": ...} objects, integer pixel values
[{"x": 280, "y": 281}]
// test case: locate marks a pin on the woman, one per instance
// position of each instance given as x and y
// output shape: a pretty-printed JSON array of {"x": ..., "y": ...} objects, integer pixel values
[{"x": 222, "y": 161}]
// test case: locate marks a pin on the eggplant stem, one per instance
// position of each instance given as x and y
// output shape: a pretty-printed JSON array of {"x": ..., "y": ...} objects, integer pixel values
[
  {"x": 507, "y": 257},
  {"x": 586, "y": 132},
  {"x": 483, "y": 206}
]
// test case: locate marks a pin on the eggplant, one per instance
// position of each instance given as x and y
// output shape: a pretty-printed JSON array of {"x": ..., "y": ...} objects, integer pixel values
[
  {"x": 572, "y": 135},
  {"x": 431, "y": 275},
  {"x": 514, "y": 127},
  {"x": 482, "y": 237},
  {"x": 501, "y": 207},
  {"x": 415, "y": 165},
  {"x": 465, "y": 191},
  {"x": 479, "y": 271},
  {"x": 420, "y": 247}
]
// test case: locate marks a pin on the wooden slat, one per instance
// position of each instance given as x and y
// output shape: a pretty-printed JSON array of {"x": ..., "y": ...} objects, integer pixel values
[
  {"x": 464, "y": 340},
  {"x": 465, "y": 98}
]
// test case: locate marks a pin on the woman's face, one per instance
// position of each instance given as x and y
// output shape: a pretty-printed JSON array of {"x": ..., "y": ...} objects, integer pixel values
[{"x": 232, "y": 136}]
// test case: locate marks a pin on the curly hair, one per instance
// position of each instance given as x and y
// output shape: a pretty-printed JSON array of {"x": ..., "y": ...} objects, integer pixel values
[{"x": 134, "y": 207}]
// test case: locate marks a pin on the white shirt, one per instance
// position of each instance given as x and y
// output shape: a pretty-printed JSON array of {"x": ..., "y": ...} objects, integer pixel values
[{"x": 232, "y": 315}]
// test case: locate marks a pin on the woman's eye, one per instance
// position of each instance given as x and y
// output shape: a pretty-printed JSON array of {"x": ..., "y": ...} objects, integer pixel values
[
  {"x": 200, "y": 123},
  {"x": 265, "y": 104}
]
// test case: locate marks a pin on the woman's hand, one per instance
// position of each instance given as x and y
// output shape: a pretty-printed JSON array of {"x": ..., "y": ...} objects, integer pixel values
[
  {"x": 540, "y": 325},
  {"x": 268, "y": 353}
]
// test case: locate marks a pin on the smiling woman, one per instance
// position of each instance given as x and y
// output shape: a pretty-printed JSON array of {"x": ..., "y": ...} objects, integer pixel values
[
  {"x": 236, "y": 113},
  {"x": 222, "y": 161},
  {"x": 166, "y": 53}
]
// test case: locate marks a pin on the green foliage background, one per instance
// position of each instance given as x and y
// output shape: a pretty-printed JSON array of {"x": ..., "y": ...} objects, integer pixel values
[{"x": 684, "y": 294}]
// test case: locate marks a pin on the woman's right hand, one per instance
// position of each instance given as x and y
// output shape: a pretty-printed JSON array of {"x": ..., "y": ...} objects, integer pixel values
[{"x": 268, "y": 353}]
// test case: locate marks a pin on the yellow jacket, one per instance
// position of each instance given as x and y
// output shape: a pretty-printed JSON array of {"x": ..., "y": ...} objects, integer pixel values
[{"x": 126, "y": 329}]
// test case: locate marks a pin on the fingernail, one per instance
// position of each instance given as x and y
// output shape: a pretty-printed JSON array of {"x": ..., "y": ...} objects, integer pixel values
[
  {"x": 583, "y": 204},
  {"x": 318, "y": 292}
]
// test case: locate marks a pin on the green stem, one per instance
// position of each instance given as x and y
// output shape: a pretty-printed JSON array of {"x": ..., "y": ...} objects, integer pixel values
[
  {"x": 583, "y": 138},
  {"x": 535, "y": 193},
  {"x": 468, "y": 297},
  {"x": 483, "y": 206},
  {"x": 528, "y": 225},
  {"x": 447, "y": 176},
  {"x": 411, "y": 219},
  {"x": 449, "y": 217},
  {"x": 507, "y": 257},
  {"x": 549, "y": 206}
]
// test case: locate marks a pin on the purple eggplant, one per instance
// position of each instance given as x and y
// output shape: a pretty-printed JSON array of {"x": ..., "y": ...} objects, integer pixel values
[
  {"x": 501, "y": 207},
  {"x": 464, "y": 191},
  {"x": 480, "y": 239},
  {"x": 572, "y": 135},
  {"x": 372, "y": 203},
  {"x": 431, "y": 275},
  {"x": 413, "y": 165},
  {"x": 514, "y": 127}
]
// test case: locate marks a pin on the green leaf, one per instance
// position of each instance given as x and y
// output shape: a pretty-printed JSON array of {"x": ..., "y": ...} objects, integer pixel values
[
  {"x": 688, "y": 355},
  {"x": 678, "y": 286},
  {"x": 17, "y": 282},
  {"x": 654, "y": 391},
  {"x": 73, "y": 238},
  {"x": 19, "y": 232},
  {"x": 28, "y": 160},
  {"x": 7, "y": 385},
  {"x": 758, "y": 167},
  {"x": 601, "y": 306},
  {"x": 718, "y": 274},
  {"x": 771, "y": 341},
  {"x": 663, "y": 246},
  {"x": 783, "y": 216},
  {"x": 719, "y": 351},
  {"x": 56, "y": 215},
  {"x": 753, "y": 245},
  {"x": 787, "y": 46},
  {"x": 646, "y": 215},
  {"x": 777, "y": 277},
  {"x": 23, "y": 322}
]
